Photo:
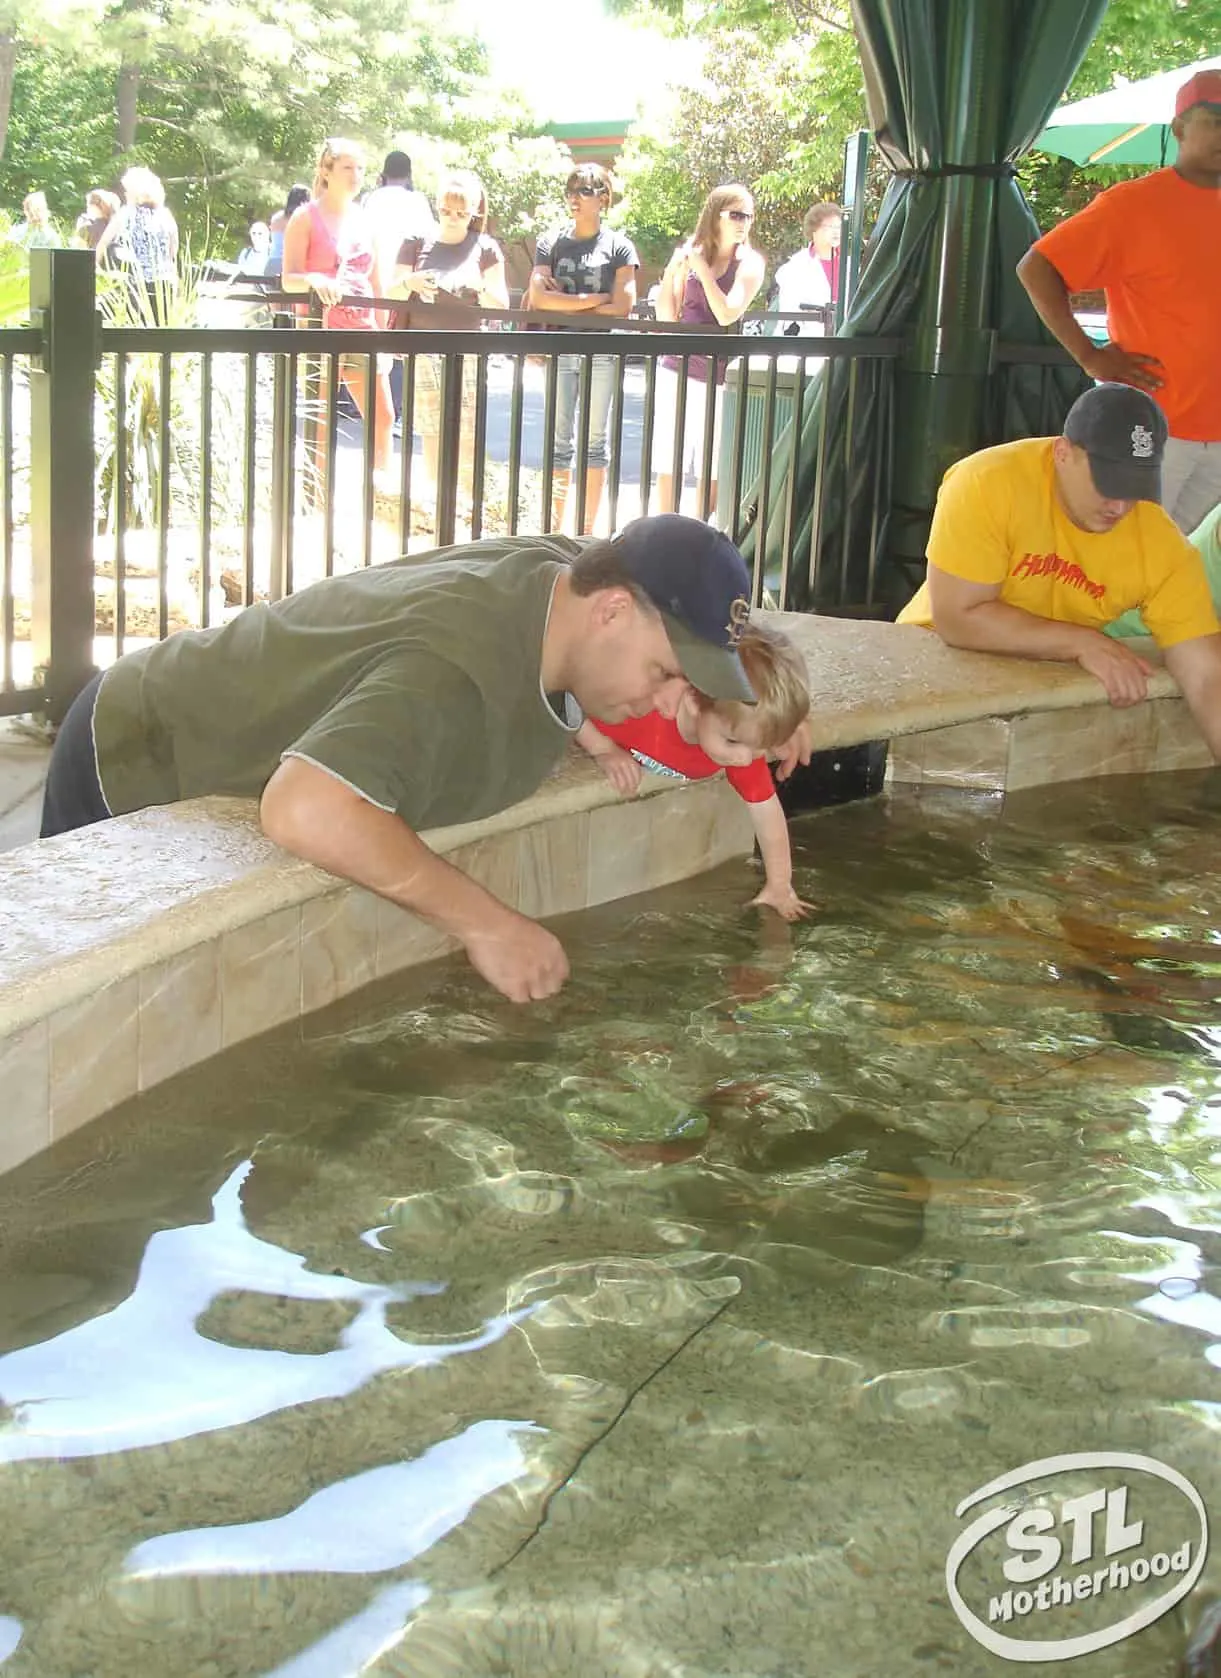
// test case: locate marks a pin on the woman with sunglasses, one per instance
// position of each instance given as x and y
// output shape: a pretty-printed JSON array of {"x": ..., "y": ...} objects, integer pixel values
[
  {"x": 709, "y": 282},
  {"x": 583, "y": 268},
  {"x": 330, "y": 248}
]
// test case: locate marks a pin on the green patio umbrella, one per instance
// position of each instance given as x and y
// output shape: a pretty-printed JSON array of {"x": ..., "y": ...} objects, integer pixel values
[{"x": 1130, "y": 124}]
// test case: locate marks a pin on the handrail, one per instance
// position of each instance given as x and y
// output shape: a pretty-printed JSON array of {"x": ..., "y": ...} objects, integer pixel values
[
  {"x": 292, "y": 300},
  {"x": 1032, "y": 355},
  {"x": 257, "y": 464},
  {"x": 307, "y": 340}
]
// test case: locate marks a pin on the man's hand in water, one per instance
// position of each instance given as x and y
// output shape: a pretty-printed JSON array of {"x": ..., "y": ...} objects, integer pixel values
[
  {"x": 318, "y": 817},
  {"x": 518, "y": 957}
]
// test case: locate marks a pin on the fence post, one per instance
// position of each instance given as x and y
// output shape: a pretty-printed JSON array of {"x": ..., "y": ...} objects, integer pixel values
[
  {"x": 62, "y": 304},
  {"x": 449, "y": 452},
  {"x": 283, "y": 451}
]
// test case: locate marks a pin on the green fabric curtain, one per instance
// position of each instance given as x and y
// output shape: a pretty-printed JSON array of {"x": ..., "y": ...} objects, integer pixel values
[{"x": 953, "y": 87}]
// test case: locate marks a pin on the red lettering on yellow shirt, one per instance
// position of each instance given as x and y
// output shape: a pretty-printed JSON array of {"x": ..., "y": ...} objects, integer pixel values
[{"x": 1042, "y": 565}]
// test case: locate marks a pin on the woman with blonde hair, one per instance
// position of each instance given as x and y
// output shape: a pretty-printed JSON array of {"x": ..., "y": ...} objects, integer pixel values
[
  {"x": 709, "y": 282},
  {"x": 330, "y": 249},
  {"x": 37, "y": 231},
  {"x": 448, "y": 278},
  {"x": 142, "y": 236}
]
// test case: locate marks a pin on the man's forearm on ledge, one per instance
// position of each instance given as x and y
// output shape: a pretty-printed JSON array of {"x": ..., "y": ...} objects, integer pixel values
[{"x": 995, "y": 627}]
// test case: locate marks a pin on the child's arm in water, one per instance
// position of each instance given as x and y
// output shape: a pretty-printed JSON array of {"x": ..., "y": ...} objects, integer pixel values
[
  {"x": 772, "y": 832},
  {"x": 619, "y": 767}
]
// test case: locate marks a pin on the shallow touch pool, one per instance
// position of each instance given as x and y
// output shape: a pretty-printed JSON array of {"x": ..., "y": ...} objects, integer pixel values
[{"x": 658, "y": 1330}]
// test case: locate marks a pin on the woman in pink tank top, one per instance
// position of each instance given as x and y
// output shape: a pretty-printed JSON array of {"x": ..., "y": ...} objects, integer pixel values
[
  {"x": 330, "y": 248},
  {"x": 709, "y": 282}
]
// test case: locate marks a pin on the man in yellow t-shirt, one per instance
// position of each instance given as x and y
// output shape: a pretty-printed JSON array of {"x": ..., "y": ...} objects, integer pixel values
[{"x": 1037, "y": 546}]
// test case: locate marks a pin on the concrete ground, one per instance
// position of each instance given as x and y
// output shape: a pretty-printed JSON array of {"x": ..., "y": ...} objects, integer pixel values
[{"x": 25, "y": 750}]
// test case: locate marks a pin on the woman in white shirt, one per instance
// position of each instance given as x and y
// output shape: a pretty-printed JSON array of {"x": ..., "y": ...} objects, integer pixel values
[{"x": 810, "y": 279}]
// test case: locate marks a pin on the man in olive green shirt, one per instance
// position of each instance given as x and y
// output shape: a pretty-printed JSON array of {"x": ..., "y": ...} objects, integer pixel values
[{"x": 409, "y": 696}]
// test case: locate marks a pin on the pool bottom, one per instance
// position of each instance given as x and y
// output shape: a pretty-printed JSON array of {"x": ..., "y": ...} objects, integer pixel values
[{"x": 661, "y": 1328}]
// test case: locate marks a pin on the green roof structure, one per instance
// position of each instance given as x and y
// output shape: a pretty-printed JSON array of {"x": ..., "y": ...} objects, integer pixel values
[{"x": 592, "y": 142}]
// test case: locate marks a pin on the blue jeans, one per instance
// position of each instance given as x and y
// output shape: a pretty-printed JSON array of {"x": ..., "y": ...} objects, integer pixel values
[{"x": 601, "y": 389}]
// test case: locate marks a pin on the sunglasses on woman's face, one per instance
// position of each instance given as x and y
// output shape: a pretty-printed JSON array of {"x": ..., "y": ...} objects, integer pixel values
[
  {"x": 740, "y": 215},
  {"x": 588, "y": 192}
]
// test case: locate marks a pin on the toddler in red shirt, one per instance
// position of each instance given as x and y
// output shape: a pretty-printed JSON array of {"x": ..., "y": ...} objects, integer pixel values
[{"x": 708, "y": 735}]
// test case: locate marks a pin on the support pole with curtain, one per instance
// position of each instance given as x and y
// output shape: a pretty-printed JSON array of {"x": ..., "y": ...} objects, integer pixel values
[{"x": 956, "y": 89}]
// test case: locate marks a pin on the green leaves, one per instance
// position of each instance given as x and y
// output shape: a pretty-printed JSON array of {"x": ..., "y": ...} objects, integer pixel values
[
  {"x": 234, "y": 96},
  {"x": 1137, "y": 38},
  {"x": 775, "y": 120}
]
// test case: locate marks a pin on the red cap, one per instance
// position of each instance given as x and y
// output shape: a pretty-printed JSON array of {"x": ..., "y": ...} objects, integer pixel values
[{"x": 1204, "y": 88}]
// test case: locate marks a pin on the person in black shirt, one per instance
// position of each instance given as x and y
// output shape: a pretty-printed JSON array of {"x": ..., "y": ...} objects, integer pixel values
[{"x": 583, "y": 268}]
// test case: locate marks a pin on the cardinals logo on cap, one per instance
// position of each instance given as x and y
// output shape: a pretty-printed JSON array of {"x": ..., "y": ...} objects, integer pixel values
[{"x": 1142, "y": 442}]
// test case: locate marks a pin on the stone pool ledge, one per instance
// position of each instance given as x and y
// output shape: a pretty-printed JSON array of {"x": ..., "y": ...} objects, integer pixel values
[
  {"x": 132, "y": 950},
  {"x": 979, "y": 720},
  {"x": 137, "y": 948}
]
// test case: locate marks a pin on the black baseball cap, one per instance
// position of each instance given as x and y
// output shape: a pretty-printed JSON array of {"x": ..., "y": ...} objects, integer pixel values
[
  {"x": 699, "y": 583},
  {"x": 1123, "y": 431}
]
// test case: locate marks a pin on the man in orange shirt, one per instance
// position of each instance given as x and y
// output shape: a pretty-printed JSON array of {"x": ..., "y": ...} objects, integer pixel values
[{"x": 1154, "y": 247}]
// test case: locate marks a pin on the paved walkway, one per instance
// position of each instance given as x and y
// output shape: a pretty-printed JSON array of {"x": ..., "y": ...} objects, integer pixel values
[{"x": 25, "y": 750}]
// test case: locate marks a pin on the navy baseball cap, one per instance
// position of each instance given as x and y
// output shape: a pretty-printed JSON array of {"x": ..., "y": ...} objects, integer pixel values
[
  {"x": 1123, "y": 431},
  {"x": 699, "y": 583}
]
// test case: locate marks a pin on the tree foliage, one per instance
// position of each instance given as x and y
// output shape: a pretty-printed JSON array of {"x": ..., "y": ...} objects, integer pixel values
[
  {"x": 1137, "y": 38},
  {"x": 234, "y": 97},
  {"x": 228, "y": 101},
  {"x": 782, "y": 91},
  {"x": 775, "y": 120}
]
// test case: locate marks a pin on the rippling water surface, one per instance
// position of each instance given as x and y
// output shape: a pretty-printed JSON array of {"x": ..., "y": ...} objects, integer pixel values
[{"x": 661, "y": 1329}]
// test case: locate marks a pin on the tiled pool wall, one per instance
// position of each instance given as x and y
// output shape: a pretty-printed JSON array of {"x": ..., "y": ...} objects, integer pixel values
[
  {"x": 1005, "y": 754},
  {"x": 138, "y": 948}
]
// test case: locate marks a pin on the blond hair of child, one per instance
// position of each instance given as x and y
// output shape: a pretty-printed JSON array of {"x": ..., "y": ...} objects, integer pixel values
[
  {"x": 708, "y": 734},
  {"x": 777, "y": 673}
]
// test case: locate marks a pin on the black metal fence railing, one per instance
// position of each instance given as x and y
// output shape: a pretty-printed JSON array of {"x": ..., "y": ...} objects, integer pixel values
[
  {"x": 1031, "y": 387},
  {"x": 156, "y": 478},
  {"x": 254, "y": 429},
  {"x": 17, "y": 350}
]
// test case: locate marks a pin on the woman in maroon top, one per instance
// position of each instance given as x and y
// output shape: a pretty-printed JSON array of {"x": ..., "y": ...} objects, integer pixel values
[
  {"x": 330, "y": 249},
  {"x": 710, "y": 281}
]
